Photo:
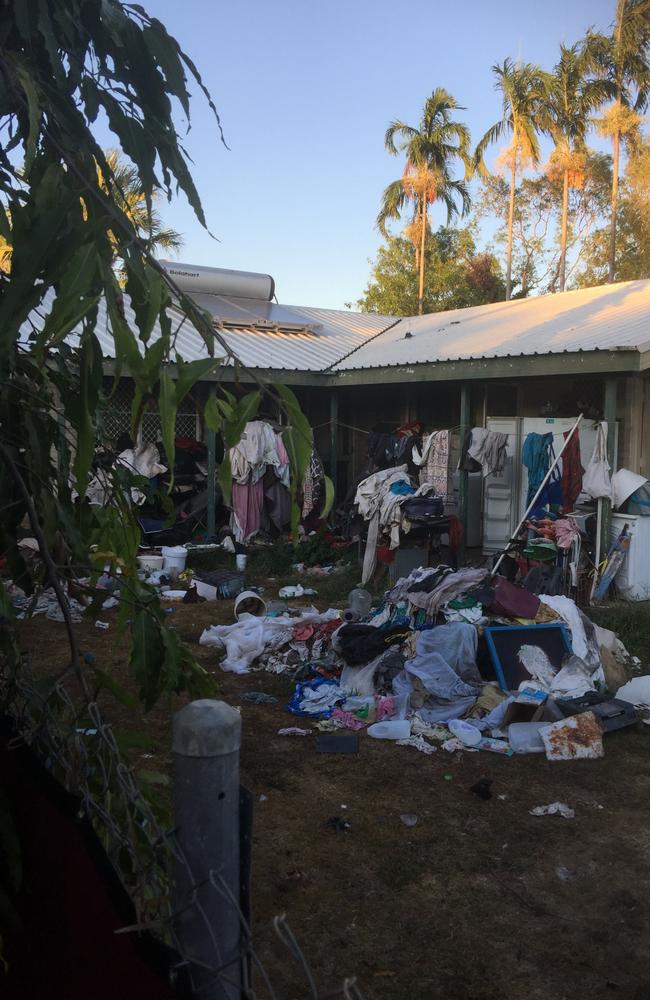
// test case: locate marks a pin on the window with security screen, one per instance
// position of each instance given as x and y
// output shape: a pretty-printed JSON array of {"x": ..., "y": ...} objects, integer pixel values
[{"x": 115, "y": 418}]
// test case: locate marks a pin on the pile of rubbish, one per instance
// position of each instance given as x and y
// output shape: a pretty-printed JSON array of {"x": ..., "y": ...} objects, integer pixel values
[{"x": 451, "y": 659}]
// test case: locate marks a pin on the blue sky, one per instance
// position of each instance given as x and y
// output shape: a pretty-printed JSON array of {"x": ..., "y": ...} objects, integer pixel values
[{"x": 305, "y": 92}]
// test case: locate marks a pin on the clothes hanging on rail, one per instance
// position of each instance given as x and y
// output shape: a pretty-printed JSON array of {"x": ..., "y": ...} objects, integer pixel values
[
  {"x": 572, "y": 472},
  {"x": 433, "y": 461},
  {"x": 488, "y": 448},
  {"x": 536, "y": 456}
]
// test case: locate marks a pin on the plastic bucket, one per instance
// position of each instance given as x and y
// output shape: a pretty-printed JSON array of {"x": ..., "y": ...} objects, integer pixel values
[
  {"x": 174, "y": 559},
  {"x": 249, "y": 603},
  {"x": 150, "y": 562}
]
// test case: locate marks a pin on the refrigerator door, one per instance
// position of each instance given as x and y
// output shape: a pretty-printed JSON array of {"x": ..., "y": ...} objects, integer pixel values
[
  {"x": 500, "y": 492},
  {"x": 633, "y": 578}
]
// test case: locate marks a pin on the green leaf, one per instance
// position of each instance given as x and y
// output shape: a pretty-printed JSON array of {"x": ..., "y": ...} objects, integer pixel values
[
  {"x": 329, "y": 496},
  {"x": 190, "y": 372},
  {"x": 245, "y": 410},
  {"x": 120, "y": 693},
  {"x": 34, "y": 113},
  {"x": 224, "y": 478}
]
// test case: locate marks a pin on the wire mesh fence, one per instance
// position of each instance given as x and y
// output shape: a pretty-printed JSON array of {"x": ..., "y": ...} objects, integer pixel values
[{"x": 78, "y": 746}]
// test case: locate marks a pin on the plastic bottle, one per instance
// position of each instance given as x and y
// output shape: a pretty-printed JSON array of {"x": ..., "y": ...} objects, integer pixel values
[{"x": 359, "y": 602}]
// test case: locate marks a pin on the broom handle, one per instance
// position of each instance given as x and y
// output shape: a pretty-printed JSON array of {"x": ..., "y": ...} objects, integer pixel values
[{"x": 538, "y": 494}]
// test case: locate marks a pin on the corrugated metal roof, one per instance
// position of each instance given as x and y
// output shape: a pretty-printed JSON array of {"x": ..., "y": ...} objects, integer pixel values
[
  {"x": 318, "y": 337},
  {"x": 607, "y": 317}
]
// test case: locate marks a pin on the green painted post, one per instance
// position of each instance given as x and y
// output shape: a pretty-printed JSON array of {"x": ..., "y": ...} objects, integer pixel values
[
  {"x": 463, "y": 477},
  {"x": 611, "y": 387},
  {"x": 212, "y": 469},
  {"x": 334, "y": 438}
]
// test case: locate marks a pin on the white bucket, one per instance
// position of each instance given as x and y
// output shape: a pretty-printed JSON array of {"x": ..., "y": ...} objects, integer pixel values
[
  {"x": 150, "y": 562},
  {"x": 257, "y": 606},
  {"x": 174, "y": 559}
]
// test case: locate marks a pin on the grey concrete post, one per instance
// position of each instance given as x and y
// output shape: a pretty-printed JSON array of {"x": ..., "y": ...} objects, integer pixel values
[{"x": 206, "y": 738}]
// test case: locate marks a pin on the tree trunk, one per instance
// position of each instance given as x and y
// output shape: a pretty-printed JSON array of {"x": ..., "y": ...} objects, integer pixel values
[
  {"x": 423, "y": 237},
  {"x": 612, "y": 229},
  {"x": 511, "y": 218},
  {"x": 563, "y": 236}
]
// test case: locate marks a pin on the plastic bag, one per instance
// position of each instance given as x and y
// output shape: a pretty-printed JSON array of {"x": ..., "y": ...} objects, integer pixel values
[{"x": 596, "y": 480}]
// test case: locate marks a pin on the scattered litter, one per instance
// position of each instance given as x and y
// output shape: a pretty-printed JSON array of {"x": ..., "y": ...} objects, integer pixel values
[
  {"x": 173, "y": 595},
  {"x": 565, "y": 874},
  {"x": 469, "y": 735},
  {"x": 482, "y": 788},
  {"x": 264, "y": 798},
  {"x": 297, "y": 591},
  {"x": 110, "y": 602},
  {"x": 448, "y": 777},
  {"x": 578, "y": 737},
  {"x": 502, "y": 797},
  {"x": 294, "y": 731},
  {"x": 102, "y": 625},
  {"x": 338, "y": 824},
  {"x": 409, "y": 819},
  {"x": 554, "y": 809},
  {"x": 636, "y": 691},
  {"x": 259, "y": 698},
  {"x": 418, "y": 742}
]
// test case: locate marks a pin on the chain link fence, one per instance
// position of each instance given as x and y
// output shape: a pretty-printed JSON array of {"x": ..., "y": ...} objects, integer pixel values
[{"x": 78, "y": 746}]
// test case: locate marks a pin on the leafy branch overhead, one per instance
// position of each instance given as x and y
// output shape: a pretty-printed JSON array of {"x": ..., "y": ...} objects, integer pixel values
[{"x": 78, "y": 226}]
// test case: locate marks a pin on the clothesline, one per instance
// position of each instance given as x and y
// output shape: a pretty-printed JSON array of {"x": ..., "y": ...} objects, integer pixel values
[{"x": 362, "y": 430}]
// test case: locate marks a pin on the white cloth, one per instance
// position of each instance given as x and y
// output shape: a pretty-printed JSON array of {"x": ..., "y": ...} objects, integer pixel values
[
  {"x": 251, "y": 636},
  {"x": 380, "y": 508},
  {"x": 143, "y": 460},
  {"x": 256, "y": 449}
]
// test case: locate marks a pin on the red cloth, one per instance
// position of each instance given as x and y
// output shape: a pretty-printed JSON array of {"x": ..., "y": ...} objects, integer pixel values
[{"x": 571, "y": 473}]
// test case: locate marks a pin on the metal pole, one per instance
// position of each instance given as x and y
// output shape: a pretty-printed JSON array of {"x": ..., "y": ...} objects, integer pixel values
[
  {"x": 334, "y": 439},
  {"x": 463, "y": 476},
  {"x": 611, "y": 387},
  {"x": 539, "y": 492},
  {"x": 212, "y": 469},
  {"x": 205, "y": 743}
]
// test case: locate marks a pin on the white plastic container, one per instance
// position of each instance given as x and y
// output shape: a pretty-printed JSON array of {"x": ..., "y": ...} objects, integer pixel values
[
  {"x": 254, "y": 604},
  {"x": 466, "y": 733},
  {"x": 150, "y": 562},
  {"x": 525, "y": 737},
  {"x": 174, "y": 559},
  {"x": 240, "y": 561},
  {"x": 392, "y": 729}
]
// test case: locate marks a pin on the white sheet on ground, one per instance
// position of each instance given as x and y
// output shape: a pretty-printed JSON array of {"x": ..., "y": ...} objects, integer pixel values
[{"x": 248, "y": 638}]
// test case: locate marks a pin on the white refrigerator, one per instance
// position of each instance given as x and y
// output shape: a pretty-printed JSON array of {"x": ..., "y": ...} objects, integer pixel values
[{"x": 504, "y": 495}]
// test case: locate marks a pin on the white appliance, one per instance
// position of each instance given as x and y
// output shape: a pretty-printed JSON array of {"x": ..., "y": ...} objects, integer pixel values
[
  {"x": 633, "y": 578},
  {"x": 505, "y": 495}
]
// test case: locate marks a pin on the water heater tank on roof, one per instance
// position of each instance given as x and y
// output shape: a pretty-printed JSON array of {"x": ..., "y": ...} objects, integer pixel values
[{"x": 220, "y": 281}]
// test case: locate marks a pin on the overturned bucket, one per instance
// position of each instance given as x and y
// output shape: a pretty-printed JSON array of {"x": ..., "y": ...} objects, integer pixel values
[{"x": 249, "y": 603}]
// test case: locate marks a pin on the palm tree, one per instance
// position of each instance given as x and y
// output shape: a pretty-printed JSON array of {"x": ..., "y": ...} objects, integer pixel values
[
  {"x": 127, "y": 190},
  {"x": 622, "y": 60},
  {"x": 571, "y": 99},
  {"x": 523, "y": 87},
  {"x": 432, "y": 151},
  {"x": 129, "y": 194}
]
